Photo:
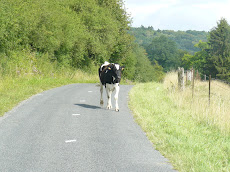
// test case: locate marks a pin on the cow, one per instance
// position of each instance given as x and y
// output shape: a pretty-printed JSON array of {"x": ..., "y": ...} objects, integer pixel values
[{"x": 110, "y": 77}]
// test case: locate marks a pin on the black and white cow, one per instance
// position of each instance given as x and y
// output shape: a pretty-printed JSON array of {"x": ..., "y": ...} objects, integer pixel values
[{"x": 110, "y": 77}]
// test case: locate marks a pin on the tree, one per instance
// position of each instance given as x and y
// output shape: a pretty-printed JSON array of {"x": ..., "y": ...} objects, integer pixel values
[
  {"x": 185, "y": 40},
  {"x": 165, "y": 52},
  {"x": 219, "y": 41},
  {"x": 201, "y": 59},
  {"x": 145, "y": 71},
  {"x": 69, "y": 34}
]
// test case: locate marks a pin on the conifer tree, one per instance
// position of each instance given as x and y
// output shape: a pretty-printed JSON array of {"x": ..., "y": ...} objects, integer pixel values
[{"x": 219, "y": 41}]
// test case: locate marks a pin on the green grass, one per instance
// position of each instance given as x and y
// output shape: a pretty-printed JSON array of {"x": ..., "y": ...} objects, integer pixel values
[
  {"x": 190, "y": 144},
  {"x": 13, "y": 90}
]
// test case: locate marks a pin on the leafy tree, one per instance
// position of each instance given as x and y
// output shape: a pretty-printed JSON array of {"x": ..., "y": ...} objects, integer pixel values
[
  {"x": 214, "y": 55},
  {"x": 199, "y": 59},
  {"x": 202, "y": 60},
  {"x": 145, "y": 71},
  {"x": 219, "y": 41},
  {"x": 67, "y": 34},
  {"x": 185, "y": 40},
  {"x": 164, "y": 51},
  {"x": 187, "y": 61}
]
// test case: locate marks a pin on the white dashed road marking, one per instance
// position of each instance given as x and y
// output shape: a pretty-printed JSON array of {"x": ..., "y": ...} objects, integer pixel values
[
  {"x": 76, "y": 114},
  {"x": 70, "y": 141},
  {"x": 82, "y": 101},
  {"x": 90, "y": 91}
]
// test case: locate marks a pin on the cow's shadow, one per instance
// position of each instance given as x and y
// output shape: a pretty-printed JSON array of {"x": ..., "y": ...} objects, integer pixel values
[{"x": 88, "y": 106}]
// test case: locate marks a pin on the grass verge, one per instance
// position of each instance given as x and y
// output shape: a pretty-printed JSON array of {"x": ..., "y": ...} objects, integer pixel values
[
  {"x": 191, "y": 144},
  {"x": 16, "y": 89}
]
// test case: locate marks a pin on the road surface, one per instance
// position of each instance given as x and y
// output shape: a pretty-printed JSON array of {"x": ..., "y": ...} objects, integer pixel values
[{"x": 66, "y": 130}]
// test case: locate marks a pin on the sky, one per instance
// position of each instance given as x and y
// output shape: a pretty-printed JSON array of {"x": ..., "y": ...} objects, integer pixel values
[{"x": 200, "y": 15}]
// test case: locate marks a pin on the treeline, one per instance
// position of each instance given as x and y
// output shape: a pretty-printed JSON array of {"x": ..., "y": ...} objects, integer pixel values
[
  {"x": 185, "y": 40},
  {"x": 214, "y": 56},
  {"x": 208, "y": 52},
  {"x": 167, "y": 47},
  {"x": 45, "y": 36}
]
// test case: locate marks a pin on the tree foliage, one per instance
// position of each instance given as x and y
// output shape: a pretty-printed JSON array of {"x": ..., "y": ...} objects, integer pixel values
[
  {"x": 219, "y": 41},
  {"x": 209, "y": 52},
  {"x": 200, "y": 60},
  {"x": 145, "y": 69},
  {"x": 167, "y": 47},
  {"x": 164, "y": 51},
  {"x": 185, "y": 40},
  {"x": 214, "y": 55},
  {"x": 70, "y": 33}
]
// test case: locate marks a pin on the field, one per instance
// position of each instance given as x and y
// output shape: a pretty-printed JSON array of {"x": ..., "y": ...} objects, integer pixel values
[{"x": 192, "y": 134}]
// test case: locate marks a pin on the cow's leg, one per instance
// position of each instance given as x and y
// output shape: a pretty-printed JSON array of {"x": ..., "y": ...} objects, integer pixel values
[
  {"x": 109, "y": 94},
  {"x": 101, "y": 90},
  {"x": 117, "y": 89}
]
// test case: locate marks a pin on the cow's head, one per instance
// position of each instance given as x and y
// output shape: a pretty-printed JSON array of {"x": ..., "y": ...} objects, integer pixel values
[{"x": 116, "y": 69}]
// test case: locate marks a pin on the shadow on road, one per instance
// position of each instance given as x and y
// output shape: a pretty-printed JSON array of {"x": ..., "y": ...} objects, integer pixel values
[{"x": 88, "y": 106}]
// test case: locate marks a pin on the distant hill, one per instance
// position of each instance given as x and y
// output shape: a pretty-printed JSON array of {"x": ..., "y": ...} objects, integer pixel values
[{"x": 185, "y": 40}]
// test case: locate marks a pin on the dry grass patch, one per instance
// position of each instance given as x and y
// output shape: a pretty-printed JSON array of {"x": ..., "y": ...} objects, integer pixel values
[
  {"x": 216, "y": 113},
  {"x": 191, "y": 134}
]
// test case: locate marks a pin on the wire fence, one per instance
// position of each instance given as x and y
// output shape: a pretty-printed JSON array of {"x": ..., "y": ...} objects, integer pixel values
[
  {"x": 206, "y": 96},
  {"x": 192, "y": 75}
]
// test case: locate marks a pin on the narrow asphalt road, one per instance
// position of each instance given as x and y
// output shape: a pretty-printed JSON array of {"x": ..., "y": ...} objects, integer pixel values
[{"x": 66, "y": 130}]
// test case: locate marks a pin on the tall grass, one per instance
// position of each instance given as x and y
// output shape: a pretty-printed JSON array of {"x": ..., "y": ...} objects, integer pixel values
[
  {"x": 175, "y": 123},
  {"x": 216, "y": 113}
]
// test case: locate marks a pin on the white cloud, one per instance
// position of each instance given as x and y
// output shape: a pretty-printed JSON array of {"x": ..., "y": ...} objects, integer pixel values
[
  {"x": 178, "y": 14},
  {"x": 145, "y": 10},
  {"x": 224, "y": 10}
]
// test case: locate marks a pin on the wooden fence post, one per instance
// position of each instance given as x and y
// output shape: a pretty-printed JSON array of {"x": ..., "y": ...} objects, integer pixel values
[
  {"x": 193, "y": 81},
  {"x": 209, "y": 89},
  {"x": 186, "y": 81},
  {"x": 181, "y": 78}
]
